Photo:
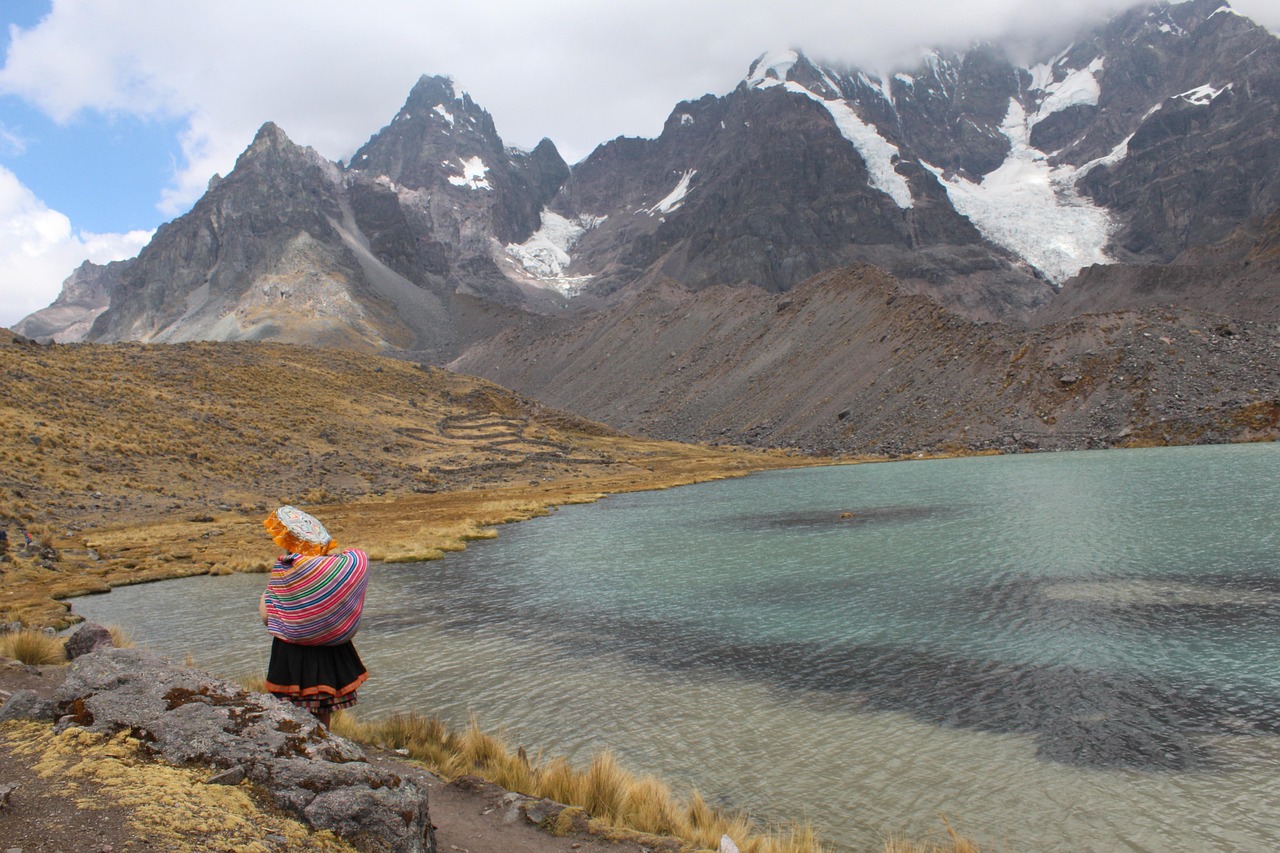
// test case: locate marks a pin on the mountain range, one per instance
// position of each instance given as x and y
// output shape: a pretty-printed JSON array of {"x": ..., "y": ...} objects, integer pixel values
[{"x": 977, "y": 252}]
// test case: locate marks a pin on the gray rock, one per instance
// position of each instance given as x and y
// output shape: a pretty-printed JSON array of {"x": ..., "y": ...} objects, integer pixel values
[
  {"x": 89, "y": 637},
  {"x": 184, "y": 715},
  {"x": 27, "y": 705}
]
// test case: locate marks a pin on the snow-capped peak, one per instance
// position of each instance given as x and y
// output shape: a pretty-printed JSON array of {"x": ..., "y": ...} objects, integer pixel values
[{"x": 773, "y": 65}]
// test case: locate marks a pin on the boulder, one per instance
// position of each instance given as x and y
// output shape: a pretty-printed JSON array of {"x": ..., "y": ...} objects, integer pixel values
[
  {"x": 187, "y": 716},
  {"x": 89, "y": 637}
]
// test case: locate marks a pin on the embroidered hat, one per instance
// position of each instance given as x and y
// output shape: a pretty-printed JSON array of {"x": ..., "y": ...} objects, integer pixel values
[{"x": 299, "y": 533}]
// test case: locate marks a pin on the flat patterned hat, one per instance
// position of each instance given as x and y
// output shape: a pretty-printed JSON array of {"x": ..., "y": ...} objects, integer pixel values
[{"x": 299, "y": 533}]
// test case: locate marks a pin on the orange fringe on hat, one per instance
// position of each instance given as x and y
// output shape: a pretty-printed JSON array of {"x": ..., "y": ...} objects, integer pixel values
[{"x": 285, "y": 538}]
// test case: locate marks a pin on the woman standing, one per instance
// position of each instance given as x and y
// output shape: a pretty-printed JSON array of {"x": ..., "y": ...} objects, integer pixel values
[{"x": 312, "y": 607}]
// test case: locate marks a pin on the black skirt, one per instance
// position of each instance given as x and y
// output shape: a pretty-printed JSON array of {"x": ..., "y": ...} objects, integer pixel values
[{"x": 315, "y": 677}]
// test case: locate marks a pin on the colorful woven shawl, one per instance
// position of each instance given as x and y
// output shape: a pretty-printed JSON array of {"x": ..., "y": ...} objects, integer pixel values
[{"x": 317, "y": 601}]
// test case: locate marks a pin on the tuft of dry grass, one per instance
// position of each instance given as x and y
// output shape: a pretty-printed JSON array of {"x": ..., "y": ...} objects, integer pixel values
[
  {"x": 35, "y": 648},
  {"x": 120, "y": 637},
  {"x": 952, "y": 842},
  {"x": 604, "y": 791}
]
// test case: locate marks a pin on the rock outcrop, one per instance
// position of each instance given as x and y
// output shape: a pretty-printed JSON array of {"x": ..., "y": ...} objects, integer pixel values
[{"x": 187, "y": 716}]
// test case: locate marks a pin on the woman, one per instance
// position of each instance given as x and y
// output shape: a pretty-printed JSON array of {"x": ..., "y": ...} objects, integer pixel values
[{"x": 312, "y": 607}]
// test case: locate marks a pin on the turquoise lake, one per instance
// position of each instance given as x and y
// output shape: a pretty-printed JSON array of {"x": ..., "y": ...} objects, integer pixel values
[{"x": 1059, "y": 652}]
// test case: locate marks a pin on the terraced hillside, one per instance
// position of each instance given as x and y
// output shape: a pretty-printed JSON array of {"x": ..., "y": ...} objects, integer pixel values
[{"x": 129, "y": 462}]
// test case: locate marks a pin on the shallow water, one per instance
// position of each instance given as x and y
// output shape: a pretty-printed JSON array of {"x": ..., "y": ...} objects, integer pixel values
[{"x": 1059, "y": 651}]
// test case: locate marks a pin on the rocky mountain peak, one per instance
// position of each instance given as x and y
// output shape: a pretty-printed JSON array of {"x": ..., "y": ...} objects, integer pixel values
[
  {"x": 431, "y": 90},
  {"x": 272, "y": 151},
  {"x": 439, "y": 138}
]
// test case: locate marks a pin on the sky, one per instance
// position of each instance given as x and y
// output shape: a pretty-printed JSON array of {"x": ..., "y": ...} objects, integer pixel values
[{"x": 114, "y": 114}]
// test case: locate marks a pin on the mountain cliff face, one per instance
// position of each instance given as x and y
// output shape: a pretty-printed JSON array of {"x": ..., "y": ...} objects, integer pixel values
[{"x": 1133, "y": 171}]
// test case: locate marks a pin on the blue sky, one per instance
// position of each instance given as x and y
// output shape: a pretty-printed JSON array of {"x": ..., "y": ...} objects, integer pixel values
[{"x": 114, "y": 114}]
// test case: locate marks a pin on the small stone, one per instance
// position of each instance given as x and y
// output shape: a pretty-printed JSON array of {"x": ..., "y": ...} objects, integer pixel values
[
  {"x": 5, "y": 791},
  {"x": 233, "y": 776}
]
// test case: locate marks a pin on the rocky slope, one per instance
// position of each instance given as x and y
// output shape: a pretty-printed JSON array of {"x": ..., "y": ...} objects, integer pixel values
[{"x": 848, "y": 362}]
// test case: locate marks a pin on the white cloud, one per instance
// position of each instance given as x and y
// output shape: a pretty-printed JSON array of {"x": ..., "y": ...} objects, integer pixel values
[
  {"x": 332, "y": 74},
  {"x": 38, "y": 249}
]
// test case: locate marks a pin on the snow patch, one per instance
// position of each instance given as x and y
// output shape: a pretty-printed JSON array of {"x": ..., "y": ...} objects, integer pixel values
[
  {"x": 876, "y": 85},
  {"x": 906, "y": 78},
  {"x": 675, "y": 198},
  {"x": 545, "y": 255},
  {"x": 1111, "y": 158},
  {"x": 685, "y": 119},
  {"x": 1033, "y": 209},
  {"x": 473, "y": 175},
  {"x": 1042, "y": 74},
  {"x": 772, "y": 68},
  {"x": 830, "y": 81},
  {"x": 1078, "y": 88},
  {"x": 1202, "y": 96},
  {"x": 439, "y": 110},
  {"x": 877, "y": 152}
]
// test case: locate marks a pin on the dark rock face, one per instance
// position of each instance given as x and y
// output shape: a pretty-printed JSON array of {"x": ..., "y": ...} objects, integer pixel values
[
  {"x": 1205, "y": 161},
  {"x": 773, "y": 193},
  {"x": 269, "y": 221},
  {"x": 187, "y": 716}
]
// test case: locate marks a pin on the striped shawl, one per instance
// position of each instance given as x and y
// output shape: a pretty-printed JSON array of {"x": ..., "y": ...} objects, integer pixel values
[{"x": 317, "y": 601}]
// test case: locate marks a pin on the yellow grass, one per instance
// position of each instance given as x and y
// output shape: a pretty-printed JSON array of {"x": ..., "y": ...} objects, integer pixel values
[
  {"x": 33, "y": 647},
  {"x": 614, "y": 798}
]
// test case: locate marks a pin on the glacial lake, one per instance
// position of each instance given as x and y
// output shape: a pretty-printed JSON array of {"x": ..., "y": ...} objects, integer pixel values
[{"x": 1059, "y": 652}]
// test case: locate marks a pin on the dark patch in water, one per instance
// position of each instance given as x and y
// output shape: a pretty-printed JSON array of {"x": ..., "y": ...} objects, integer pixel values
[
  {"x": 1080, "y": 717},
  {"x": 841, "y": 518},
  {"x": 1227, "y": 601},
  {"x": 1086, "y": 718}
]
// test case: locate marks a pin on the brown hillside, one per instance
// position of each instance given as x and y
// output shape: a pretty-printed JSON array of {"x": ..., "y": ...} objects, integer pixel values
[{"x": 130, "y": 462}]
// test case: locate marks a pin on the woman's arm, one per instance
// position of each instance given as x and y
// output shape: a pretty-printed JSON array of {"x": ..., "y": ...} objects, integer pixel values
[{"x": 262, "y": 607}]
